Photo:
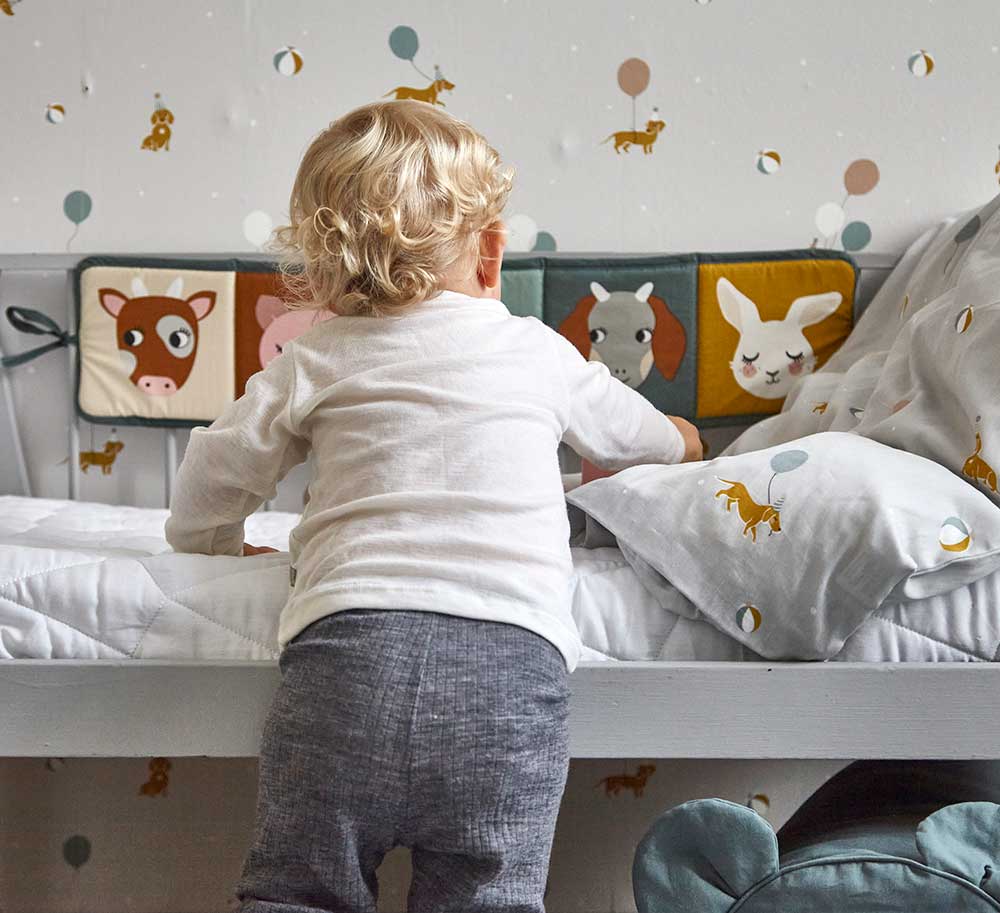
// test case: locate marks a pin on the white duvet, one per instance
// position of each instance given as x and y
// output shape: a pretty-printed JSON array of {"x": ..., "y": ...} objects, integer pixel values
[{"x": 95, "y": 581}]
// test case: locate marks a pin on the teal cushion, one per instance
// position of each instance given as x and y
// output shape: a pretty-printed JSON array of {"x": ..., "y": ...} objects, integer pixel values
[{"x": 880, "y": 837}]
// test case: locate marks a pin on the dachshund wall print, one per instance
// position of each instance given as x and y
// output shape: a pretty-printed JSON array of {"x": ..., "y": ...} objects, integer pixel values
[
  {"x": 751, "y": 513},
  {"x": 636, "y": 782},
  {"x": 772, "y": 354},
  {"x": 626, "y": 139},
  {"x": 159, "y": 778},
  {"x": 629, "y": 331},
  {"x": 104, "y": 458},
  {"x": 161, "y": 119},
  {"x": 429, "y": 94},
  {"x": 157, "y": 334}
]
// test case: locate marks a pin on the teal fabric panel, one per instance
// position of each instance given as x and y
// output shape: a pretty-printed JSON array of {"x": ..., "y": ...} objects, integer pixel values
[
  {"x": 522, "y": 286},
  {"x": 651, "y": 350}
]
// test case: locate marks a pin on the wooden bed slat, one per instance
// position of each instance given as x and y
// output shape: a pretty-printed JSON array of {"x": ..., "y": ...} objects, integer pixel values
[{"x": 145, "y": 708}]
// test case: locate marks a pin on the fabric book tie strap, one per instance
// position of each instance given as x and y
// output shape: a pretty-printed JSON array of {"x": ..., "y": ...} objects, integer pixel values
[{"x": 27, "y": 320}]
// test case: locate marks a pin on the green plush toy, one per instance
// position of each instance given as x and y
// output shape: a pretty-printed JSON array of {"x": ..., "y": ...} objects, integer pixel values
[{"x": 712, "y": 856}]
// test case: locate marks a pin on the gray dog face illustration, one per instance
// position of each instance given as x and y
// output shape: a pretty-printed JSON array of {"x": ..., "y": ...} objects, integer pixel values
[
  {"x": 628, "y": 331},
  {"x": 621, "y": 328}
]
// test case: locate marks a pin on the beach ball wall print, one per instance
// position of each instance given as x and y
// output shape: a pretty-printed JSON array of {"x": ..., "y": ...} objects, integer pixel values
[
  {"x": 921, "y": 64},
  {"x": 287, "y": 61}
]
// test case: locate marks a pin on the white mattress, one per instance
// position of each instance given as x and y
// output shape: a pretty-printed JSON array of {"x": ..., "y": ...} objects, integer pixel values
[{"x": 95, "y": 581}]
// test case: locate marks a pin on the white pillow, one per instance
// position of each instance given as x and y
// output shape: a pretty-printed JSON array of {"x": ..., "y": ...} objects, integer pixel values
[{"x": 789, "y": 549}]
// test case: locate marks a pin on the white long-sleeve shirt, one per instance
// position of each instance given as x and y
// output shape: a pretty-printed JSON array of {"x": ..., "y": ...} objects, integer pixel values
[{"x": 437, "y": 483}]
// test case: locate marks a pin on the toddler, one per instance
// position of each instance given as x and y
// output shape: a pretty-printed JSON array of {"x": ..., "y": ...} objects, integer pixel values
[{"x": 427, "y": 638}]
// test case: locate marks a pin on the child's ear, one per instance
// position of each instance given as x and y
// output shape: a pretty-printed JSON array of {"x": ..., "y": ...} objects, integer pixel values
[{"x": 492, "y": 241}]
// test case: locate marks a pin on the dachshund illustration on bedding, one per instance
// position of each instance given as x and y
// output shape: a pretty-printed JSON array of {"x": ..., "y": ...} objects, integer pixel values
[
  {"x": 635, "y": 782},
  {"x": 751, "y": 513},
  {"x": 977, "y": 469},
  {"x": 157, "y": 334},
  {"x": 630, "y": 332}
]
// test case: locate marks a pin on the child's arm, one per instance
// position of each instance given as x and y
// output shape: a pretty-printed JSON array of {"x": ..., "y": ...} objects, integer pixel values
[
  {"x": 612, "y": 425},
  {"x": 233, "y": 466}
]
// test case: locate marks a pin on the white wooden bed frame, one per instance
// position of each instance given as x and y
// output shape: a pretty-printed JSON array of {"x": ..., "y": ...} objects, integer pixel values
[{"x": 144, "y": 708}]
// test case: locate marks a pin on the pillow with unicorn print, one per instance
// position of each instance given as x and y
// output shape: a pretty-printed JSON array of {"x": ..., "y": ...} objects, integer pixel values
[{"x": 790, "y": 549}]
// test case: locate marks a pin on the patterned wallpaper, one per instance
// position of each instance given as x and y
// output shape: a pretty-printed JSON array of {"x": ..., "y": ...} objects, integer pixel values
[
  {"x": 634, "y": 126},
  {"x": 643, "y": 125}
]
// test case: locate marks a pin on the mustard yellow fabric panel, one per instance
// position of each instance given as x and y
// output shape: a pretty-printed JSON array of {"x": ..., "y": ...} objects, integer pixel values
[{"x": 763, "y": 325}]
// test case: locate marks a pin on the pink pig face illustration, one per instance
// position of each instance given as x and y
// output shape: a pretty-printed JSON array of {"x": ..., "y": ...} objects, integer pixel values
[{"x": 281, "y": 325}]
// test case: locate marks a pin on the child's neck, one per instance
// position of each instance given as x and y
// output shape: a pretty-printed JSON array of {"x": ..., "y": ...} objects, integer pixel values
[{"x": 471, "y": 286}]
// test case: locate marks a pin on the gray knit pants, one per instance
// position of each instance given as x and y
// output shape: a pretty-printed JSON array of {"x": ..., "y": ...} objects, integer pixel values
[{"x": 392, "y": 728}]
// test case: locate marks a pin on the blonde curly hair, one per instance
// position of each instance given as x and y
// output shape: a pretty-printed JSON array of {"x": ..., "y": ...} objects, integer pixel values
[{"x": 386, "y": 200}]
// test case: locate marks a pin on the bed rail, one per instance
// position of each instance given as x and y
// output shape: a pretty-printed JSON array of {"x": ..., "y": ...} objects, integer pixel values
[{"x": 148, "y": 708}]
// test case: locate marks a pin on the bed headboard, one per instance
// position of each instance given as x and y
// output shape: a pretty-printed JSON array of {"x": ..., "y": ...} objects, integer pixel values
[{"x": 553, "y": 287}]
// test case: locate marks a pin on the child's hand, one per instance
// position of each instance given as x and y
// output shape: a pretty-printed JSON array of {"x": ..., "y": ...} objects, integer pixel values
[
  {"x": 693, "y": 449},
  {"x": 249, "y": 550}
]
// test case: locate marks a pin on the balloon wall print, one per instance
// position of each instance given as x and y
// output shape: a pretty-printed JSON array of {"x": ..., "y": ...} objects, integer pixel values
[
  {"x": 861, "y": 177},
  {"x": 55, "y": 114},
  {"x": 633, "y": 77},
  {"x": 522, "y": 232},
  {"x": 404, "y": 44},
  {"x": 768, "y": 161},
  {"x": 856, "y": 236},
  {"x": 77, "y": 206},
  {"x": 633, "y": 80},
  {"x": 257, "y": 227},
  {"x": 544, "y": 241},
  {"x": 921, "y": 64},
  {"x": 288, "y": 61},
  {"x": 76, "y": 850},
  {"x": 830, "y": 218}
]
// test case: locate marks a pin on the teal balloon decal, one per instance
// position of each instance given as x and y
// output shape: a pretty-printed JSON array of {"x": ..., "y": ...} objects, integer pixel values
[
  {"x": 76, "y": 850},
  {"x": 404, "y": 43},
  {"x": 77, "y": 207},
  {"x": 788, "y": 460},
  {"x": 544, "y": 241},
  {"x": 856, "y": 236}
]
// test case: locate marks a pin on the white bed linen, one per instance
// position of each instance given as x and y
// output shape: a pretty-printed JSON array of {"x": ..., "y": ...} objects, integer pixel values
[{"x": 94, "y": 581}]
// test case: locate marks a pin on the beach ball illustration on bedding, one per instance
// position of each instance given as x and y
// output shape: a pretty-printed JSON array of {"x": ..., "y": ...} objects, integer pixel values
[
  {"x": 748, "y": 618},
  {"x": 955, "y": 535},
  {"x": 287, "y": 61},
  {"x": 55, "y": 113},
  {"x": 157, "y": 335},
  {"x": 964, "y": 320},
  {"x": 629, "y": 331}
]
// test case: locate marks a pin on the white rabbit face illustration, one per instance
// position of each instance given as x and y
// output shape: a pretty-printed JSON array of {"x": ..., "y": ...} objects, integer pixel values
[
  {"x": 772, "y": 354},
  {"x": 621, "y": 328}
]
